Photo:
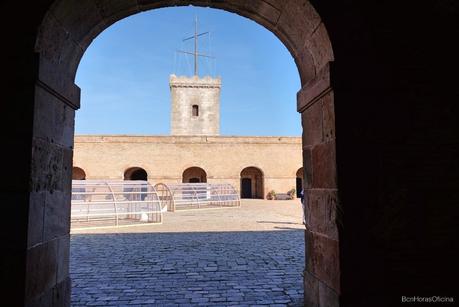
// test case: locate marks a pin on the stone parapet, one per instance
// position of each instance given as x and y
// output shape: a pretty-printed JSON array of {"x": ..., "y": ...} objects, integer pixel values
[
  {"x": 197, "y": 139},
  {"x": 194, "y": 81}
]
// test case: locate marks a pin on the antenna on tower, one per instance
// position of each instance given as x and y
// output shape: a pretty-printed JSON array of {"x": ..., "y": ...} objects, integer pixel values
[{"x": 196, "y": 53}]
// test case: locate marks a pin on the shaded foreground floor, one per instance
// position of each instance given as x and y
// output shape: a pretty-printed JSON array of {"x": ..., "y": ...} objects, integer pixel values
[{"x": 218, "y": 268}]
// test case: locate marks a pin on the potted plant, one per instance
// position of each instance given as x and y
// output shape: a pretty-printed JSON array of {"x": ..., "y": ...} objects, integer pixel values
[{"x": 271, "y": 195}]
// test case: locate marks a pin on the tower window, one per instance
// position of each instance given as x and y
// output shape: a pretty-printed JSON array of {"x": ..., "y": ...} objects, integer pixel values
[{"x": 195, "y": 110}]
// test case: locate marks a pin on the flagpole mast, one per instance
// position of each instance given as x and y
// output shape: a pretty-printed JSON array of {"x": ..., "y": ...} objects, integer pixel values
[
  {"x": 195, "y": 54},
  {"x": 196, "y": 46}
]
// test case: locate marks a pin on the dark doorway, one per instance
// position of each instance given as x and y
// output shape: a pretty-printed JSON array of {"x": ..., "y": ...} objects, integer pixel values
[
  {"x": 251, "y": 183},
  {"x": 246, "y": 188},
  {"x": 135, "y": 173},
  {"x": 299, "y": 187},
  {"x": 193, "y": 175},
  {"x": 299, "y": 181}
]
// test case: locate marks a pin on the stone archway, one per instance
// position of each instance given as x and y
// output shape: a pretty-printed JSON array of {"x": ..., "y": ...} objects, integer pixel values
[
  {"x": 299, "y": 181},
  {"x": 194, "y": 175},
  {"x": 252, "y": 183},
  {"x": 135, "y": 173},
  {"x": 67, "y": 30},
  {"x": 78, "y": 173}
]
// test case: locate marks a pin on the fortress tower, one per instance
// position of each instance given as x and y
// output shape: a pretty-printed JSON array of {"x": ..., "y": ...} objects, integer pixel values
[
  {"x": 195, "y": 101},
  {"x": 195, "y": 108}
]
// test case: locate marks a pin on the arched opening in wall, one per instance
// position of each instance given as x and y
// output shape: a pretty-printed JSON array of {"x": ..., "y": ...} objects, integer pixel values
[
  {"x": 194, "y": 175},
  {"x": 252, "y": 183},
  {"x": 63, "y": 41},
  {"x": 299, "y": 181},
  {"x": 78, "y": 173},
  {"x": 135, "y": 173}
]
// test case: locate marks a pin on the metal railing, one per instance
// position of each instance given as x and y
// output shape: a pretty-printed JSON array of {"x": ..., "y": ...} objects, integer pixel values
[
  {"x": 109, "y": 203},
  {"x": 185, "y": 196}
]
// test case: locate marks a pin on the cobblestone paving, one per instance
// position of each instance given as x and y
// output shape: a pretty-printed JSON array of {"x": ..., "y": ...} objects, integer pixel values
[{"x": 243, "y": 268}]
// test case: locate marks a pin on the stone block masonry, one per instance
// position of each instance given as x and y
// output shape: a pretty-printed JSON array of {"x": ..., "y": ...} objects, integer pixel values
[{"x": 195, "y": 105}]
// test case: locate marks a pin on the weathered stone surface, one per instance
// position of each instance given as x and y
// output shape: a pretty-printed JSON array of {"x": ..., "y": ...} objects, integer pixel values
[
  {"x": 63, "y": 252},
  {"x": 57, "y": 214},
  {"x": 306, "y": 69},
  {"x": 327, "y": 296},
  {"x": 44, "y": 300},
  {"x": 67, "y": 162},
  {"x": 41, "y": 269},
  {"x": 36, "y": 218},
  {"x": 61, "y": 84},
  {"x": 328, "y": 124},
  {"x": 53, "y": 119},
  {"x": 298, "y": 29},
  {"x": 78, "y": 18},
  {"x": 62, "y": 292},
  {"x": 279, "y": 4},
  {"x": 314, "y": 89},
  {"x": 307, "y": 163},
  {"x": 321, "y": 207},
  {"x": 311, "y": 290},
  {"x": 46, "y": 166},
  {"x": 263, "y": 12},
  {"x": 322, "y": 258},
  {"x": 318, "y": 121},
  {"x": 108, "y": 8},
  {"x": 319, "y": 45},
  {"x": 188, "y": 92},
  {"x": 312, "y": 121},
  {"x": 58, "y": 60},
  {"x": 112, "y": 11},
  {"x": 324, "y": 165}
]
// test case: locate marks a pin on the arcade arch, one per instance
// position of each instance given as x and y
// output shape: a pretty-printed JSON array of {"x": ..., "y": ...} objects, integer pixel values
[
  {"x": 252, "y": 185},
  {"x": 78, "y": 173},
  {"x": 135, "y": 173},
  {"x": 194, "y": 175}
]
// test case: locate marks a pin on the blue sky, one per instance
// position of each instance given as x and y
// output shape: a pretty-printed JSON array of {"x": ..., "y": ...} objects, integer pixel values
[{"x": 124, "y": 74}]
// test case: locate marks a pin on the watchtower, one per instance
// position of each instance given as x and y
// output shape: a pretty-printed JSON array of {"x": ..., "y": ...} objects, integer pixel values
[{"x": 195, "y": 101}]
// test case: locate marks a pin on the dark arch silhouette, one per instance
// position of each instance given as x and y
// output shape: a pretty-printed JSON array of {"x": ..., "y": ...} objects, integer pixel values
[
  {"x": 78, "y": 173},
  {"x": 135, "y": 173},
  {"x": 194, "y": 175},
  {"x": 299, "y": 181}
]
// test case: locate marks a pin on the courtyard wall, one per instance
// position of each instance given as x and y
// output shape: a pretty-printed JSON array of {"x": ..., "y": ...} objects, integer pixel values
[{"x": 165, "y": 158}]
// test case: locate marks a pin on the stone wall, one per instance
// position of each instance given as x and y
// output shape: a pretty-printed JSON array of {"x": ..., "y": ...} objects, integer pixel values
[
  {"x": 165, "y": 158},
  {"x": 187, "y": 92}
]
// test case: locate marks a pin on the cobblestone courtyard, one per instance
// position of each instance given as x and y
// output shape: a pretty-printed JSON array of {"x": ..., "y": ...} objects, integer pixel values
[{"x": 247, "y": 256}]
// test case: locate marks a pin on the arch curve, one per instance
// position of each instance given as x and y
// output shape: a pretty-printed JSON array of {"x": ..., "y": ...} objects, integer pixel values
[
  {"x": 78, "y": 173},
  {"x": 74, "y": 24},
  {"x": 135, "y": 173},
  {"x": 299, "y": 181},
  {"x": 252, "y": 182},
  {"x": 69, "y": 27},
  {"x": 194, "y": 174}
]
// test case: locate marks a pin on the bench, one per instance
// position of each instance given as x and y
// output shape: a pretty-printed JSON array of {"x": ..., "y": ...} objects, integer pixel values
[{"x": 283, "y": 196}]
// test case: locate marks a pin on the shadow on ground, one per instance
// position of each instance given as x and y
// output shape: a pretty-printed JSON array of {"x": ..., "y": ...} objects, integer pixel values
[{"x": 201, "y": 268}]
